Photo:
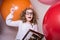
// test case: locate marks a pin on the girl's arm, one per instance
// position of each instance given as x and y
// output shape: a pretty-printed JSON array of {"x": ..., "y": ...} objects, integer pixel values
[{"x": 9, "y": 21}]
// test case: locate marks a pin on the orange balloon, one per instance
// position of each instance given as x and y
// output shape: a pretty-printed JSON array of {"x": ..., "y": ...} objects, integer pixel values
[{"x": 7, "y": 4}]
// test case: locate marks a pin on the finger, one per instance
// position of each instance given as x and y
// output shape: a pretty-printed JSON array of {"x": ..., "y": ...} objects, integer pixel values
[{"x": 16, "y": 7}]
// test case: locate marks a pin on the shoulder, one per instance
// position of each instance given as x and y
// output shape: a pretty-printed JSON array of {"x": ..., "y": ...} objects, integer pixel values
[{"x": 20, "y": 22}]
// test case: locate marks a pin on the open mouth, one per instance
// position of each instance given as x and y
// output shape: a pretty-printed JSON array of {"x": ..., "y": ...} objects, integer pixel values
[{"x": 29, "y": 17}]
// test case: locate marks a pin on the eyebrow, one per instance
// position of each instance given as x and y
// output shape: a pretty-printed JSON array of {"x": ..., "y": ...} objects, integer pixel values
[{"x": 30, "y": 12}]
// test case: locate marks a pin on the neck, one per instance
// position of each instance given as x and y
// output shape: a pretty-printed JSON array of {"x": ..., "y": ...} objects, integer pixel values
[{"x": 28, "y": 21}]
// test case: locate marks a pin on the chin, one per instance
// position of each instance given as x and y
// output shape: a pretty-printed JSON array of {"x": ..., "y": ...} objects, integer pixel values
[{"x": 29, "y": 20}]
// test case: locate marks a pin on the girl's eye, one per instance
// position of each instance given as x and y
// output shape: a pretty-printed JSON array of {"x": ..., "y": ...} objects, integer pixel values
[{"x": 29, "y": 13}]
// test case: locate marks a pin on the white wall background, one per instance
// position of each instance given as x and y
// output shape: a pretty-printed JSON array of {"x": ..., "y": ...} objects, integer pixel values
[{"x": 41, "y": 10}]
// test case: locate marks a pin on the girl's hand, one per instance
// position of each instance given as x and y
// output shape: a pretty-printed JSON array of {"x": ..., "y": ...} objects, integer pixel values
[{"x": 12, "y": 10}]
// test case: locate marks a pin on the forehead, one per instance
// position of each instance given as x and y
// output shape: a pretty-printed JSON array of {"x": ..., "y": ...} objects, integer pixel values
[{"x": 29, "y": 10}]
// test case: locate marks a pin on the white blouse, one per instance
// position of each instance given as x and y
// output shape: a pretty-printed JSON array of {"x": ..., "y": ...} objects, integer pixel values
[{"x": 23, "y": 28}]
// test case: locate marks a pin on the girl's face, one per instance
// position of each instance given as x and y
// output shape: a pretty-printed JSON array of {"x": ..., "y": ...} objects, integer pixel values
[{"x": 29, "y": 15}]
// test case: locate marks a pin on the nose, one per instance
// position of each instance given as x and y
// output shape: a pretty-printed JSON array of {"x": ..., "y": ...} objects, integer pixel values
[{"x": 29, "y": 14}]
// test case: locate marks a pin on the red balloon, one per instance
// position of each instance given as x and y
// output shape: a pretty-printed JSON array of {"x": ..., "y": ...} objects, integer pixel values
[
  {"x": 49, "y": 2},
  {"x": 51, "y": 23}
]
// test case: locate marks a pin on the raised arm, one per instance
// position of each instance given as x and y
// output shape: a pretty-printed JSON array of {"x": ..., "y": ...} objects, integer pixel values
[{"x": 9, "y": 21}]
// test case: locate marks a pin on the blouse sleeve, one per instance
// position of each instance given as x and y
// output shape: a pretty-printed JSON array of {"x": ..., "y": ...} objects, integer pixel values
[{"x": 9, "y": 21}]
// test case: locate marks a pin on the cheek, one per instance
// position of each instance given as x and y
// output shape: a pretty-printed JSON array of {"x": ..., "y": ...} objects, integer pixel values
[
  {"x": 26, "y": 16},
  {"x": 32, "y": 16}
]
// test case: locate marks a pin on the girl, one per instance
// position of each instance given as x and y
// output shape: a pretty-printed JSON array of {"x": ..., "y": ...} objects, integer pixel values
[{"x": 26, "y": 22}]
